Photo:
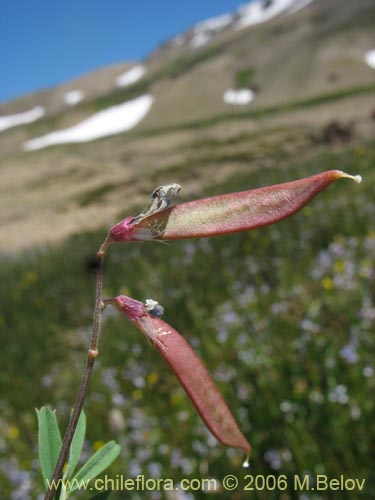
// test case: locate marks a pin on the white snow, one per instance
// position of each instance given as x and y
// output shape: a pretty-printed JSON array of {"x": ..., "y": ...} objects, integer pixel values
[
  {"x": 215, "y": 23},
  {"x": 21, "y": 118},
  {"x": 178, "y": 40},
  {"x": 239, "y": 97},
  {"x": 370, "y": 58},
  {"x": 199, "y": 40},
  {"x": 110, "y": 121},
  {"x": 248, "y": 14},
  {"x": 131, "y": 76},
  {"x": 74, "y": 97},
  {"x": 256, "y": 13},
  {"x": 299, "y": 5},
  {"x": 203, "y": 31}
]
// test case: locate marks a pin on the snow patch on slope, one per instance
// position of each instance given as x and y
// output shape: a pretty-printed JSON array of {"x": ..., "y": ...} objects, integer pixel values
[
  {"x": 199, "y": 40},
  {"x": 73, "y": 97},
  {"x": 178, "y": 40},
  {"x": 239, "y": 97},
  {"x": 203, "y": 31},
  {"x": 258, "y": 12},
  {"x": 21, "y": 118},
  {"x": 299, "y": 5},
  {"x": 248, "y": 14},
  {"x": 370, "y": 58},
  {"x": 131, "y": 76},
  {"x": 113, "y": 120}
]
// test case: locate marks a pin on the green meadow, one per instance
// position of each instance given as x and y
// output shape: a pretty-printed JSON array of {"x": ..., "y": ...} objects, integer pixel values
[{"x": 282, "y": 316}]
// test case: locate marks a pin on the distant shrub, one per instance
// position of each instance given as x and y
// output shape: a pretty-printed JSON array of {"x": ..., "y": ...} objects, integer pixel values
[{"x": 244, "y": 78}]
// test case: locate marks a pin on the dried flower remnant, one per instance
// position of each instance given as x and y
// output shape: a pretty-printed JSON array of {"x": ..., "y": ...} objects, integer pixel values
[
  {"x": 154, "y": 308},
  {"x": 161, "y": 197},
  {"x": 223, "y": 214},
  {"x": 188, "y": 368}
]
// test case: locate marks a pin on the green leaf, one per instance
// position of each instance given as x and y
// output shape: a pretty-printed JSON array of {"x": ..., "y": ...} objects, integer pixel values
[
  {"x": 49, "y": 441},
  {"x": 96, "y": 464},
  {"x": 76, "y": 446},
  {"x": 103, "y": 495}
]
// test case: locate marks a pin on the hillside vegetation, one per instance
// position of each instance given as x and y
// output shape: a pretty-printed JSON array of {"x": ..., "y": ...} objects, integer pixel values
[{"x": 282, "y": 316}]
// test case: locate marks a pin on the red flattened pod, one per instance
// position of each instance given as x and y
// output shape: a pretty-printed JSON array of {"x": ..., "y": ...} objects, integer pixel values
[
  {"x": 189, "y": 369},
  {"x": 234, "y": 212},
  {"x": 224, "y": 214}
]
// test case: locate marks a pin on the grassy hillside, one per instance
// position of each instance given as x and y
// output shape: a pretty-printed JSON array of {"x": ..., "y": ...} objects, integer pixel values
[{"x": 282, "y": 317}]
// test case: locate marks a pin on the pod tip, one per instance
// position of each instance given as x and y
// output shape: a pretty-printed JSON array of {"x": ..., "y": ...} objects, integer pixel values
[
  {"x": 246, "y": 462},
  {"x": 355, "y": 178}
]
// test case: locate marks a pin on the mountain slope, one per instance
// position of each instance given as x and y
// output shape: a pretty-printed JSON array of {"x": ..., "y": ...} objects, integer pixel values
[{"x": 304, "y": 68}]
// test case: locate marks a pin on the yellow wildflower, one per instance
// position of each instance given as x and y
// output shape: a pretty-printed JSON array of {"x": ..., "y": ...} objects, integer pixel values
[{"x": 327, "y": 283}]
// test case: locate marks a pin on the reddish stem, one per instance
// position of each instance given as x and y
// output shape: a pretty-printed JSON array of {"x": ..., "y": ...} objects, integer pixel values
[{"x": 82, "y": 391}]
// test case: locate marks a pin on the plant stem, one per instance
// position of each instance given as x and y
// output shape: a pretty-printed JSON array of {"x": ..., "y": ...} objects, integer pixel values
[{"x": 82, "y": 391}]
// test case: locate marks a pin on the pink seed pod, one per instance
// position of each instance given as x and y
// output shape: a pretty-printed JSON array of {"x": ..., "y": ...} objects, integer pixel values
[
  {"x": 188, "y": 368},
  {"x": 224, "y": 214}
]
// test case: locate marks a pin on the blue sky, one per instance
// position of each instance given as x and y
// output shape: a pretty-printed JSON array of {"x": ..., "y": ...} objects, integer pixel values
[{"x": 46, "y": 42}]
